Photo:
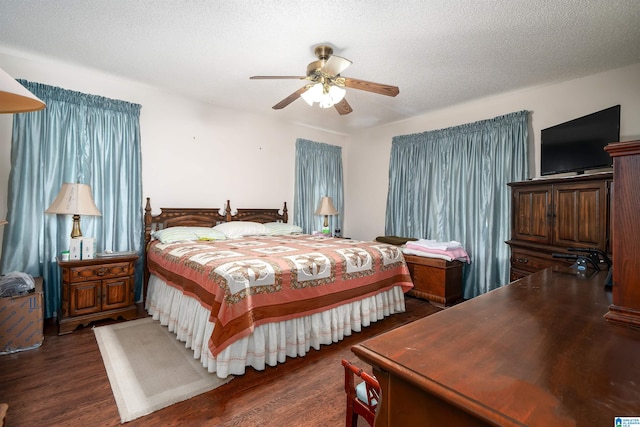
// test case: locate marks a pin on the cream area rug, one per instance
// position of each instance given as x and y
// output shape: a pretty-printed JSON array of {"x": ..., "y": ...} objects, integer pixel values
[{"x": 149, "y": 369}]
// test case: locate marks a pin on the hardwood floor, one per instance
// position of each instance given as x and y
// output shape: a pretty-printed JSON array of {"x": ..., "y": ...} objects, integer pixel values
[{"x": 64, "y": 383}]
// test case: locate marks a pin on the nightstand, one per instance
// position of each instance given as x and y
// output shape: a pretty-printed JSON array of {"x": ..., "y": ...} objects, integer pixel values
[{"x": 96, "y": 289}]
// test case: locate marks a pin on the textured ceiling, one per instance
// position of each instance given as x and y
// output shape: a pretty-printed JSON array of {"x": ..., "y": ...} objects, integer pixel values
[{"x": 438, "y": 52}]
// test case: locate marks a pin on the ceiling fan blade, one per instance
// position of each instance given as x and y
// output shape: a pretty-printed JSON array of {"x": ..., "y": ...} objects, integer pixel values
[
  {"x": 335, "y": 65},
  {"x": 276, "y": 77},
  {"x": 371, "y": 87},
  {"x": 343, "y": 107},
  {"x": 289, "y": 99}
]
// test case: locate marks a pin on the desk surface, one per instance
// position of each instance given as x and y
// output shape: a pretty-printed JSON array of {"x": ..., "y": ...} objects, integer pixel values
[{"x": 537, "y": 352}]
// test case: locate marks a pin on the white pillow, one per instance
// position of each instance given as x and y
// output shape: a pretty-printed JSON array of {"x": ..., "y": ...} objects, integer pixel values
[
  {"x": 281, "y": 228},
  {"x": 235, "y": 229},
  {"x": 180, "y": 234}
]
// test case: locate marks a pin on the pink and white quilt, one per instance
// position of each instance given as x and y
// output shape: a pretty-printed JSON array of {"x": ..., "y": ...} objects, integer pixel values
[{"x": 261, "y": 279}]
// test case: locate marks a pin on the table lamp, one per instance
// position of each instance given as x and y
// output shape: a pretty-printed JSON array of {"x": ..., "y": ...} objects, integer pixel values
[
  {"x": 76, "y": 200},
  {"x": 326, "y": 208},
  {"x": 15, "y": 98}
]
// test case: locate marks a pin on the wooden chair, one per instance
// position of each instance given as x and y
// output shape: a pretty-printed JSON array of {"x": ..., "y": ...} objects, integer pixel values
[
  {"x": 361, "y": 399},
  {"x": 3, "y": 412}
]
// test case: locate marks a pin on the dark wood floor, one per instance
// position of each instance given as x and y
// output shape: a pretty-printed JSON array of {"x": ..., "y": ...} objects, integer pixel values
[{"x": 64, "y": 383}]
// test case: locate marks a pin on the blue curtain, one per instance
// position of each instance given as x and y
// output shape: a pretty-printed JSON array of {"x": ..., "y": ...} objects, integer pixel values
[
  {"x": 77, "y": 138},
  {"x": 451, "y": 184},
  {"x": 318, "y": 174}
]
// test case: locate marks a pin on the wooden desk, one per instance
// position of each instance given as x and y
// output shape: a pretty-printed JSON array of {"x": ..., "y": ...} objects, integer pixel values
[{"x": 536, "y": 352}]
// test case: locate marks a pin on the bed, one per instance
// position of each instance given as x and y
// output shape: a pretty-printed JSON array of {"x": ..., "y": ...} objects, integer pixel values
[{"x": 245, "y": 288}]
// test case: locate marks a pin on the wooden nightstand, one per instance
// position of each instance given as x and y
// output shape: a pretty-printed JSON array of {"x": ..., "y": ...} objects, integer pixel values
[{"x": 96, "y": 289}]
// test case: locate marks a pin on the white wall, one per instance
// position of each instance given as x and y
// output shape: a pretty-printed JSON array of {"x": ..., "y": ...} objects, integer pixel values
[
  {"x": 368, "y": 152},
  {"x": 184, "y": 141},
  {"x": 194, "y": 154}
]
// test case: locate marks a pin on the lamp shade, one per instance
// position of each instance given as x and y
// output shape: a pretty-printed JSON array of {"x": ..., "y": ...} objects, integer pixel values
[
  {"x": 15, "y": 98},
  {"x": 326, "y": 207},
  {"x": 74, "y": 199}
]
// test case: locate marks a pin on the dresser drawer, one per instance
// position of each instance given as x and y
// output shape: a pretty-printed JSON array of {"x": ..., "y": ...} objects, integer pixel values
[
  {"x": 527, "y": 261},
  {"x": 98, "y": 272}
]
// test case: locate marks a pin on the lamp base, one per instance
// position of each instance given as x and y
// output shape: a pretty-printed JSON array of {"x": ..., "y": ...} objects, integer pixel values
[{"x": 75, "y": 231}]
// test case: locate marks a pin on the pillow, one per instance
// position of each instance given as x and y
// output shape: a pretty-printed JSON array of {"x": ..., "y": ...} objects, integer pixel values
[
  {"x": 236, "y": 229},
  {"x": 280, "y": 228},
  {"x": 179, "y": 234}
]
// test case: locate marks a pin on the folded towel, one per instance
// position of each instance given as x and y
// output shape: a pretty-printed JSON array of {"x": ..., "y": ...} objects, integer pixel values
[
  {"x": 433, "y": 244},
  {"x": 408, "y": 251}
]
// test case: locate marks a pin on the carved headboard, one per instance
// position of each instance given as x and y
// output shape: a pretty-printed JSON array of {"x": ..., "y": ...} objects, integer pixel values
[
  {"x": 202, "y": 217},
  {"x": 206, "y": 217}
]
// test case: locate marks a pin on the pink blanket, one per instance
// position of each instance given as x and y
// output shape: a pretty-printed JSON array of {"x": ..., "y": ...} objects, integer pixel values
[{"x": 454, "y": 253}]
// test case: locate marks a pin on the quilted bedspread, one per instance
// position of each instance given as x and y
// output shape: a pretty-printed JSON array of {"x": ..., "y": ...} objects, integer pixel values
[{"x": 260, "y": 279}]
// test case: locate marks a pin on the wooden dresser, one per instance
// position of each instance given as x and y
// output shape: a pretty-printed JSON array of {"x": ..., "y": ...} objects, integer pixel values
[
  {"x": 536, "y": 352},
  {"x": 436, "y": 280},
  {"x": 625, "y": 308},
  {"x": 96, "y": 289},
  {"x": 551, "y": 215}
]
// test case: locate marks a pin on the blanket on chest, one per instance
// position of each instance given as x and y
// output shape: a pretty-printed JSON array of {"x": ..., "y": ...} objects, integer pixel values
[{"x": 260, "y": 279}]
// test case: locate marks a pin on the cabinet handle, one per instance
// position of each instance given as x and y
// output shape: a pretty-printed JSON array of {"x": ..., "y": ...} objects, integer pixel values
[
  {"x": 522, "y": 260},
  {"x": 102, "y": 271}
]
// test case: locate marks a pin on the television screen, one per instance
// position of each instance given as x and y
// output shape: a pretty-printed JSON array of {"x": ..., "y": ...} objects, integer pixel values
[{"x": 578, "y": 145}]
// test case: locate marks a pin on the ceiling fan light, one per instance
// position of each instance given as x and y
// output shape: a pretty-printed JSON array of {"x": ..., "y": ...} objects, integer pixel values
[
  {"x": 326, "y": 102},
  {"x": 313, "y": 94},
  {"x": 336, "y": 93}
]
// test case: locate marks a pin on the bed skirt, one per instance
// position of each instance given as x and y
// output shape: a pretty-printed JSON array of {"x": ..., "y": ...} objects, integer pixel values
[{"x": 268, "y": 344}]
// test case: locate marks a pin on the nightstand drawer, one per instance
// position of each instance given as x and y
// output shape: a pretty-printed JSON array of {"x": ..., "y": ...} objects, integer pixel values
[{"x": 99, "y": 272}]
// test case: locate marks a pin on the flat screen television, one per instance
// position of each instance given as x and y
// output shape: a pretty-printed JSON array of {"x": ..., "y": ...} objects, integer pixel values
[{"x": 578, "y": 145}]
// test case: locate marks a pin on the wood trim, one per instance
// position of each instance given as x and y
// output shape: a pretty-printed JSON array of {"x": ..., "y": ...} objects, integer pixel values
[{"x": 625, "y": 307}]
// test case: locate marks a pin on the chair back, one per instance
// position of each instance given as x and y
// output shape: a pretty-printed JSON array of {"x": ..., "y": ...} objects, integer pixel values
[{"x": 362, "y": 399}]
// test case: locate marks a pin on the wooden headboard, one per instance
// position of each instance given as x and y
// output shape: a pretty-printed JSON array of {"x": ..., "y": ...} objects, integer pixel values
[
  {"x": 206, "y": 217},
  {"x": 202, "y": 217}
]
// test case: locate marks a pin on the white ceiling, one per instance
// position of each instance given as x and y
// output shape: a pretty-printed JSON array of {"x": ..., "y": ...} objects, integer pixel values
[{"x": 438, "y": 52}]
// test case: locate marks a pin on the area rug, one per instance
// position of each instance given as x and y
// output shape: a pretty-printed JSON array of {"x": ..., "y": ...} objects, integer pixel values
[{"x": 148, "y": 368}]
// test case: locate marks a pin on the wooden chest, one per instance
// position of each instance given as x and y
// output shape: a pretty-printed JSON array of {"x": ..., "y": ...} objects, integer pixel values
[{"x": 436, "y": 280}]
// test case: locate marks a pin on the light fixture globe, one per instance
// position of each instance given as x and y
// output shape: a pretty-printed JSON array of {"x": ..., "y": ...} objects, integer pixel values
[
  {"x": 325, "y": 95},
  {"x": 313, "y": 94}
]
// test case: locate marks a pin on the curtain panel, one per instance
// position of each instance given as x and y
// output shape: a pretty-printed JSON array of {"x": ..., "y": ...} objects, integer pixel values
[
  {"x": 77, "y": 138},
  {"x": 451, "y": 184},
  {"x": 318, "y": 173}
]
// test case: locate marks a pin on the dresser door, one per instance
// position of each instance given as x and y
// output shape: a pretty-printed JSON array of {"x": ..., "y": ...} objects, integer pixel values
[
  {"x": 532, "y": 214},
  {"x": 84, "y": 298},
  {"x": 116, "y": 293},
  {"x": 580, "y": 215}
]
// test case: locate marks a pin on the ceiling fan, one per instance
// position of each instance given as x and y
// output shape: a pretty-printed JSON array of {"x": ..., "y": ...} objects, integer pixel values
[{"x": 326, "y": 86}]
